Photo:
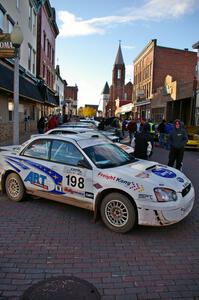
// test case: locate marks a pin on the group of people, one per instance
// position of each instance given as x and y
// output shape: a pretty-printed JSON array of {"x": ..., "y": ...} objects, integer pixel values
[
  {"x": 171, "y": 135},
  {"x": 46, "y": 123}
]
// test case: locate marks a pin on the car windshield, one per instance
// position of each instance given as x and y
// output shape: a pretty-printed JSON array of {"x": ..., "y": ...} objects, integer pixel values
[{"x": 108, "y": 156}]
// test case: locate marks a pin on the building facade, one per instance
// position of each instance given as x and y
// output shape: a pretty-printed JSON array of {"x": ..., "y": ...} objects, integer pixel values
[
  {"x": 196, "y": 88},
  {"x": 151, "y": 67},
  {"x": 70, "y": 100},
  {"x": 34, "y": 95}
]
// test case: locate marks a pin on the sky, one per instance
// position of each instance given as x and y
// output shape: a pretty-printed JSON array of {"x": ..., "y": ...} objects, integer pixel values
[{"x": 90, "y": 31}]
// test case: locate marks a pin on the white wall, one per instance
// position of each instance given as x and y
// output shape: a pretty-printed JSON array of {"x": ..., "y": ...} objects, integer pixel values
[{"x": 21, "y": 15}]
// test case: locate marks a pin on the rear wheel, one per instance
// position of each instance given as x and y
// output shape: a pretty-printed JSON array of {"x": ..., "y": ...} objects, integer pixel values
[
  {"x": 118, "y": 213},
  {"x": 14, "y": 187}
]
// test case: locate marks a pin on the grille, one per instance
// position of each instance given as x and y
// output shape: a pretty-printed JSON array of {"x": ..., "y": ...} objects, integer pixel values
[{"x": 186, "y": 190}]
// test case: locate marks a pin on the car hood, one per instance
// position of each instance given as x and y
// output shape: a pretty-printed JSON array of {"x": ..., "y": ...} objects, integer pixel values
[{"x": 152, "y": 173}]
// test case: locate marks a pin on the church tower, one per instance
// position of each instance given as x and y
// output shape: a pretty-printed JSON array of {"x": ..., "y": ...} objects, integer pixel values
[
  {"x": 105, "y": 97},
  {"x": 118, "y": 82}
]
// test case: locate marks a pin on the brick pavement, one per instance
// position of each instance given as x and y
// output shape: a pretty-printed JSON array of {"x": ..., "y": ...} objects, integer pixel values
[{"x": 40, "y": 239}]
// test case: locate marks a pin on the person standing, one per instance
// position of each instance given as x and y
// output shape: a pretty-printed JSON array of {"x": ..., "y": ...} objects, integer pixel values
[
  {"x": 161, "y": 131},
  {"x": 143, "y": 143},
  {"x": 177, "y": 140},
  {"x": 41, "y": 125},
  {"x": 132, "y": 128}
]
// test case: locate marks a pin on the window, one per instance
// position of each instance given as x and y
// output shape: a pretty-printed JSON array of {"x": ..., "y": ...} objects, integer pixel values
[
  {"x": 33, "y": 61},
  {"x": 44, "y": 71},
  {"x": 34, "y": 22},
  {"x": 119, "y": 74},
  {"x": 17, "y": 4},
  {"x": 10, "y": 24},
  {"x": 2, "y": 14},
  {"x": 29, "y": 56},
  {"x": 44, "y": 41},
  {"x": 38, "y": 149},
  {"x": 53, "y": 56},
  {"x": 66, "y": 153},
  {"x": 30, "y": 16}
]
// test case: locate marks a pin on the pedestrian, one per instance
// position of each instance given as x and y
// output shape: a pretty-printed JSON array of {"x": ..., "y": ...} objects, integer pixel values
[
  {"x": 41, "y": 125},
  {"x": 132, "y": 128},
  {"x": 177, "y": 139},
  {"x": 142, "y": 143},
  {"x": 52, "y": 123},
  {"x": 168, "y": 129},
  {"x": 161, "y": 132}
]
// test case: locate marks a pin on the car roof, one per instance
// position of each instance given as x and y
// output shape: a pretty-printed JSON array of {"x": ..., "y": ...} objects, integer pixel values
[
  {"x": 82, "y": 140},
  {"x": 72, "y": 129}
]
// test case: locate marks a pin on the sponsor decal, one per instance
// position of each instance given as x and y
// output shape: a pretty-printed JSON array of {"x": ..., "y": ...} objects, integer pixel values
[
  {"x": 36, "y": 179},
  {"x": 13, "y": 166},
  {"x": 133, "y": 186},
  {"x": 73, "y": 170},
  {"x": 163, "y": 172},
  {"x": 180, "y": 179},
  {"x": 120, "y": 180},
  {"x": 97, "y": 186},
  {"x": 142, "y": 175},
  {"x": 185, "y": 184},
  {"x": 89, "y": 195},
  {"x": 106, "y": 176},
  {"x": 18, "y": 163},
  {"x": 136, "y": 187},
  {"x": 71, "y": 191},
  {"x": 145, "y": 197}
]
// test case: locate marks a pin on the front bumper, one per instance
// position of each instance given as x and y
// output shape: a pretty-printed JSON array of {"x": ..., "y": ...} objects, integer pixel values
[{"x": 163, "y": 214}]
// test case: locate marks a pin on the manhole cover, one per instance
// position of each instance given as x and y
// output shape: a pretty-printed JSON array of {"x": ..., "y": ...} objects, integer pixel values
[{"x": 63, "y": 287}]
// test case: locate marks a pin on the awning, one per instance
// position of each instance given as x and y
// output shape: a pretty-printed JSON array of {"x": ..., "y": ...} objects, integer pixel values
[{"x": 27, "y": 88}]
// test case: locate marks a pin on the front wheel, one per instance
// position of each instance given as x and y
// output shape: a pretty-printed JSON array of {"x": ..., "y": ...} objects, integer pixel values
[
  {"x": 14, "y": 187},
  {"x": 118, "y": 213}
]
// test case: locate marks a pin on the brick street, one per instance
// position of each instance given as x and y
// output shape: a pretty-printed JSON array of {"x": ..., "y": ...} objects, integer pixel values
[{"x": 40, "y": 239}]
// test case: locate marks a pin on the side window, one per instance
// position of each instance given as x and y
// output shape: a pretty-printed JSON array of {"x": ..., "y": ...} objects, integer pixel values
[
  {"x": 38, "y": 149},
  {"x": 65, "y": 152}
]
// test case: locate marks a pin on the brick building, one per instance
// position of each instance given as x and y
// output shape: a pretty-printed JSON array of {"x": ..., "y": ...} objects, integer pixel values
[
  {"x": 70, "y": 100},
  {"x": 151, "y": 67}
]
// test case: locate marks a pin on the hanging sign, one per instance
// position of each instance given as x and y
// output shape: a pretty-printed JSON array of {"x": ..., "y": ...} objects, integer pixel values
[{"x": 6, "y": 48}]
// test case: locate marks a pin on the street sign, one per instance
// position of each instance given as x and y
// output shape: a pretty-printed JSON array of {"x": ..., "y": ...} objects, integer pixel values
[{"x": 6, "y": 48}]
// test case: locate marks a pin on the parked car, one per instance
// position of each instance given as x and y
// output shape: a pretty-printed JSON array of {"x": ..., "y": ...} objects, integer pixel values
[
  {"x": 193, "y": 138},
  {"x": 97, "y": 175},
  {"x": 90, "y": 133}
]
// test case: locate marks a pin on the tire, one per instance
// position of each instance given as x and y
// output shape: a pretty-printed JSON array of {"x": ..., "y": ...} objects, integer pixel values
[
  {"x": 14, "y": 187},
  {"x": 118, "y": 213}
]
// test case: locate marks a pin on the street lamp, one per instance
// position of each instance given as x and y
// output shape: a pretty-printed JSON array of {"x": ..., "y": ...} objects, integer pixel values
[{"x": 16, "y": 37}]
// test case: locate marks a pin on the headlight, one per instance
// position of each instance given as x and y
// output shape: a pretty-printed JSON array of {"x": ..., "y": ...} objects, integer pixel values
[{"x": 165, "y": 195}]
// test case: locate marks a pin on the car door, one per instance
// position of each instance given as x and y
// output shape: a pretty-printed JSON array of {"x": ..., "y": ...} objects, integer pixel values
[
  {"x": 75, "y": 185},
  {"x": 50, "y": 169}
]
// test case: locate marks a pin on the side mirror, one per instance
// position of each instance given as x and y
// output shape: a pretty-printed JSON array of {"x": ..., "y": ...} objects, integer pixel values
[{"x": 84, "y": 164}]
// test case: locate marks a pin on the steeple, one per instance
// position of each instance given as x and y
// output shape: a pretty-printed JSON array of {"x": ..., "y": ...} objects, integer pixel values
[
  {"x": 119, "y": 58},
  {"x": 105, "y": 89}
]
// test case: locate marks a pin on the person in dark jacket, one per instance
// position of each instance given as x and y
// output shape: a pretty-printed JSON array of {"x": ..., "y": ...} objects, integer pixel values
[
  {"x": 41, "y": 125},
  {"x": 177, "y": 139},
  {"x": 142, "y": 143},
  {"x": 161, "y": 131}
]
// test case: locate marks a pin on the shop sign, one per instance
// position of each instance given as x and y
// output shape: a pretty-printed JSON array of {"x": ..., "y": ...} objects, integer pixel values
[{"x": 6, "y": 48}]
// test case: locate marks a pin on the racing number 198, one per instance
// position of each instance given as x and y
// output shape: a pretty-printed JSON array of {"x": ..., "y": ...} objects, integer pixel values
[{"x": 73, "y": 181}]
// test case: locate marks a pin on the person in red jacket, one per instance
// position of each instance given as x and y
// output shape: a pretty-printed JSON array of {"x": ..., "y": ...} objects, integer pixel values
[
  {"x": 52, "y": 123},
  {"x": 132, "y": 128}
]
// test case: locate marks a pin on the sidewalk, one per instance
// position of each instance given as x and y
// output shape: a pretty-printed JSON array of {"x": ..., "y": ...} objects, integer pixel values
[{"x": 22, "y": 139}]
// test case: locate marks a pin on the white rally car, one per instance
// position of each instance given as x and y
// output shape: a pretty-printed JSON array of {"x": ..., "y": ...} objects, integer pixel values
[{"x": 97, "y": 175}]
